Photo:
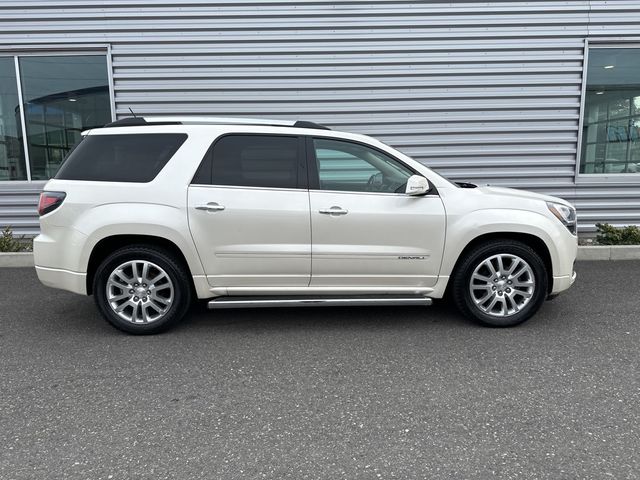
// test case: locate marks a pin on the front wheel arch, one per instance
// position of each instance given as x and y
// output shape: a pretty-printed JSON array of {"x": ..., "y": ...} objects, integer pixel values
[
  {"x": 528, "y": 239},
  {"x": 514, "y": 253}
]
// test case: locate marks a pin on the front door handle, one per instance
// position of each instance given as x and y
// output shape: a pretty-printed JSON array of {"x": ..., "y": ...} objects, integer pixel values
[
  {"x": 335, "y": 210},
  {"x": 210, "y": 207}
]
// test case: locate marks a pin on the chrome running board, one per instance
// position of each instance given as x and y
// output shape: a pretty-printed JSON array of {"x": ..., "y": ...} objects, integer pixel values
[{"x": 262, "y": 302}]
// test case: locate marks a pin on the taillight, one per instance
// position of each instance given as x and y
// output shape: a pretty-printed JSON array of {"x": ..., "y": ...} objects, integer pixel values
[{"x": 49, "y": 201}]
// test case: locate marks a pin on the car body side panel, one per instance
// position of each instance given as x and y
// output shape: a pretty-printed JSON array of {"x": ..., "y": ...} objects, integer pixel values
[
  {"x": 100, "y": 222},
  {"x": 262, "y": 237},
  {"x": 383, "y": 240}
]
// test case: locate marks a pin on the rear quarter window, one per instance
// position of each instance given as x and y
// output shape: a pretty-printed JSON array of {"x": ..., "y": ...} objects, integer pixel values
[{"x": 135, "y": 157}]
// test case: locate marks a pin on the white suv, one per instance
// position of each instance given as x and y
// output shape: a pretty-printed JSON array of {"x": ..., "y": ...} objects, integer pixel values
[{"x": 150, "y": 214}]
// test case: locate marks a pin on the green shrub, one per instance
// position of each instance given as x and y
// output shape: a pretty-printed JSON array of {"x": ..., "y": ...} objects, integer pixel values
[
  {"x": 610, "y": 235},
  {"x": 8, "y": 243}
]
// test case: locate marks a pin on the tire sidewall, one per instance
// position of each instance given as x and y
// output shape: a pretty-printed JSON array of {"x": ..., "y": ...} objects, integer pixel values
[
  {"x": 463, "y": 295},
  {"x": 181, "y": 288}
]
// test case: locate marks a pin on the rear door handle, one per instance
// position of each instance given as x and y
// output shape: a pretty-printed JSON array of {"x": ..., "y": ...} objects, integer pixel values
[
  {"x": 335, "y": 210},
  {"x": 210, "y": 207}
]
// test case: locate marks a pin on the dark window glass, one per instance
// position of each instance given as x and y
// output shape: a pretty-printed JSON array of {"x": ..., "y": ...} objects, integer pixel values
[
  {"x": 203, "y": 174},
  {"x": 121, "y": 158},
  {"x": 255, "y": 161},
  {"x": 63, "y": 96},
  {"x": 611, "y": 126},
  {"x": 347, "y": 166},
  {"x": 12, "y": 164}
]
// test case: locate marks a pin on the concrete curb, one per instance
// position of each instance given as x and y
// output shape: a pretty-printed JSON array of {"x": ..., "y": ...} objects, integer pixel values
[
  {"x": 18, "y": 259},
  {"x": 589, "y": 253},
  {"x": 609, "y": 252},
  {"x": 594, "y": 253}
]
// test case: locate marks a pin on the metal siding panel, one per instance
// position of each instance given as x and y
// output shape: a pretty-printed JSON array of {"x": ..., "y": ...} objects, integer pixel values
[
  {"x": 18, "y": 207},
  {"x": 485, "y": 91}
]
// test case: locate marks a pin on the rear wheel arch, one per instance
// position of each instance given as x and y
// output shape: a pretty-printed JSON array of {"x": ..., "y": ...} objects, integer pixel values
[{"x": 108, "y": 245}]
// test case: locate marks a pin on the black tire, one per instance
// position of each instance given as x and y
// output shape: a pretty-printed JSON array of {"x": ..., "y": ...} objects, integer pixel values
[
  {"x": 175, "y": 271},
  {"x": 462, "y": 296}
]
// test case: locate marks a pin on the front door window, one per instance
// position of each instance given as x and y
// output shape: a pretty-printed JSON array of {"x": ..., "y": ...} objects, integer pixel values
[{"x": 352, "y": 167}]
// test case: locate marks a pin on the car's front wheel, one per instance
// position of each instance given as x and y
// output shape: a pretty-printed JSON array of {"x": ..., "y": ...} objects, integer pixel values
[
  {"x": 142, "y": 289},
  {"x": 501, "y": 283}
]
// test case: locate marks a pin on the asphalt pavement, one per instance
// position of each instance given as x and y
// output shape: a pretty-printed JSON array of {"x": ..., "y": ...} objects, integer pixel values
[{"x": 325, "y": 393}]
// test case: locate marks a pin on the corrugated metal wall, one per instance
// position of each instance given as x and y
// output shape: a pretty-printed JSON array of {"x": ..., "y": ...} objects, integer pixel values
[{"x": 482, "y": 91}]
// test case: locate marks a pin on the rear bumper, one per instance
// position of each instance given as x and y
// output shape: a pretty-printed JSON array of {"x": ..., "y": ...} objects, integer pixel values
[
  {"x": 63, "y": 279},
  {"x": 59, "y": 248},
  {"x": 55, "y": 254}
]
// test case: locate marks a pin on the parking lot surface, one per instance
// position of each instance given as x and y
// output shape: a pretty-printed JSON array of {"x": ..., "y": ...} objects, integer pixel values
[{"x": 332, "y": 393}]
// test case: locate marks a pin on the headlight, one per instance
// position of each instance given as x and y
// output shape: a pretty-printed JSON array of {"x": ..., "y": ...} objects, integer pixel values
[{"x": 566, "y": 215}]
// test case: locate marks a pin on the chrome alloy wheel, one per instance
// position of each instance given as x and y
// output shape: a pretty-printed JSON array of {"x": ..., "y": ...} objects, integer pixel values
[
  {"x": 139, "y": 291},
  {"x": 502, "y": 285}
]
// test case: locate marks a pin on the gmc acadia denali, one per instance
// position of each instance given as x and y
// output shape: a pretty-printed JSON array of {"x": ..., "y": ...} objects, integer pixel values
[{"x": 148, "y": 215}]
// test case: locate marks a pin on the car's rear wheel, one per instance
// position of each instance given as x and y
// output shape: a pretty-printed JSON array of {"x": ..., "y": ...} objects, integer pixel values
[
  {"x": 501, "y": 283},
  {"x": 142, "y": 289}
]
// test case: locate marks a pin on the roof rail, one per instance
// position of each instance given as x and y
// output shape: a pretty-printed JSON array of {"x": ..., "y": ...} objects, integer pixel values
[
  {"x": 170, "y": 120},
  {"x": 304, "y": 124},
  {"x": 135, "y": 122},
  {"x": 220, "y": 121},
  {"x": 127, "y": 122}
]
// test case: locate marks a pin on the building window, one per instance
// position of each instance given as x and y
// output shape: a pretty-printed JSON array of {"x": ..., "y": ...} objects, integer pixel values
[
  {"x": 611, "y": 125},
  {"x": 62, "y": 95},
  {"x": 12, "y": 163}
]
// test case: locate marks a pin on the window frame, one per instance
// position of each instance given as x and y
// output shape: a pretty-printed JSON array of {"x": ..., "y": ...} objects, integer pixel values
[
  {"x": 40, "y": 50},
  {"x": 587, "y": 178},
  {"x": 314, "y": 174},
  {"x": 302, "y": 180}
]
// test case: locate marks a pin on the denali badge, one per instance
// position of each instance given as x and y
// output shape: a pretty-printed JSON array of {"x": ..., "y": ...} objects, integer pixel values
[{"x": 411, "y": 258}]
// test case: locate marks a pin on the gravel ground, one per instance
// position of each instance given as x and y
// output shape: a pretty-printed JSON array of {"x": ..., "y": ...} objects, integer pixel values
[{"x": 329, "y": 393}]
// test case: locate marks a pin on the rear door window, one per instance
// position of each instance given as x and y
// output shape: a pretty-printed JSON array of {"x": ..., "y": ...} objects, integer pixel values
[
  {"x": 135, "y": 157},
  {"x": 248, "y": 160}
]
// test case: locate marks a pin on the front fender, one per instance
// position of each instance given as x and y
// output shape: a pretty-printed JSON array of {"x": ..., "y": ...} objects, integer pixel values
[{"x": 463, "y": 229}]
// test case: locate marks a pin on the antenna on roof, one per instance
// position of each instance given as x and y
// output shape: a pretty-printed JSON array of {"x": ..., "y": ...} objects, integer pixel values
[{"x": 134, "y": 115}]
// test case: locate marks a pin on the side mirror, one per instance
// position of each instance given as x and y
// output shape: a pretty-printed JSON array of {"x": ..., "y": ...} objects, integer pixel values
[{"x": 417, "y": 185}]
